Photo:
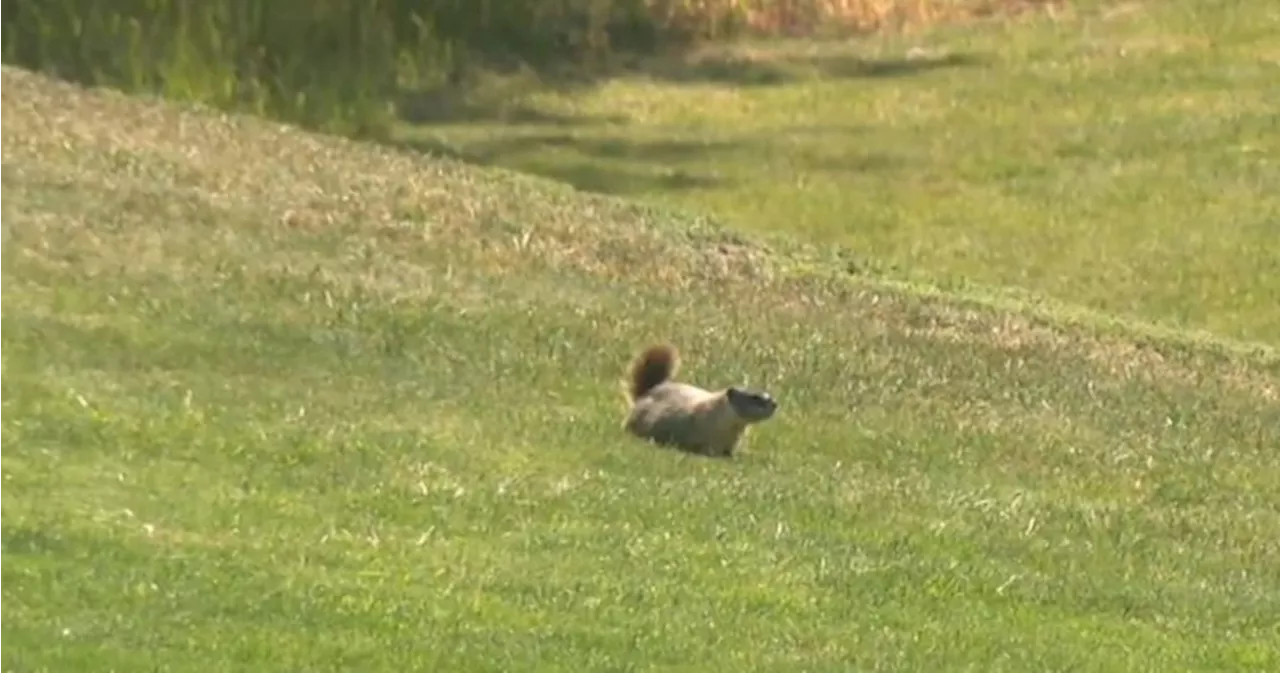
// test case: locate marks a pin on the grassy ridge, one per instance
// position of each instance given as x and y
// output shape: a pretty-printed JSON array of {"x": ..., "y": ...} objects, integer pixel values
[{"x": 279, "y": 401}]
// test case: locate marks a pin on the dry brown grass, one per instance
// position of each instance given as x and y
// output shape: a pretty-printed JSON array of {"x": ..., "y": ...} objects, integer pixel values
[{"x": 795, "y": 18}]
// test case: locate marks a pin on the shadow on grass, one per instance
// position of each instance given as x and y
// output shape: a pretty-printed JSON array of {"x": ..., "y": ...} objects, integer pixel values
[
  {"x": 601, "y": 165},
  {"x": 592, "y": 177},
  {"x": 460, "y": 106},
  {"x": 24, "y": 540},
  {"x": 742, "y": 70},
  {"x": 612, "y": 161},
  {"x": 472, "y": 97}
]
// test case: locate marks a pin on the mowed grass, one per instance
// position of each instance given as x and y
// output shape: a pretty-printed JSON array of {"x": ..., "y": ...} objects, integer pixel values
[
  {"x": 273, "y": 401},
  {"x": 1120, "y": 156}
]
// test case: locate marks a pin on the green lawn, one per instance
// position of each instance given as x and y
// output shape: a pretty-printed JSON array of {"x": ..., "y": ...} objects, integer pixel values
[
  {"x": 279, "y": 402},
  {"x": 1121, "y": 158}
]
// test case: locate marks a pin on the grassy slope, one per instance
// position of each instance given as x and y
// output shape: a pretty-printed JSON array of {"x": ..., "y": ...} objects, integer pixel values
[
  {"x": 281, "y": 402},
  {"x": 1120, "y": 158}
]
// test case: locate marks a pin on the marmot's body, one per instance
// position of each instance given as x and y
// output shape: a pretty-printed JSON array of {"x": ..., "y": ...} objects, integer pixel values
[{"x": 686, "y": 416}]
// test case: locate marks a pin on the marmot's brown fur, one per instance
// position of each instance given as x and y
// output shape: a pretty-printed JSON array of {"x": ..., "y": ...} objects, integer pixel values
[{"x": 686, "y": 416}]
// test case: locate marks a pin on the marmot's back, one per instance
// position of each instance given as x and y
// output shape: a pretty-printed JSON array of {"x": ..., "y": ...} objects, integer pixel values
[{"x": 668, "y": 413}]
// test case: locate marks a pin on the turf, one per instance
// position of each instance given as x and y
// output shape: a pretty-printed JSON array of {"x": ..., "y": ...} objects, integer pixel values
[
  {"x": 274, "y": 401},
  {"x": 1112, "y": 155}
]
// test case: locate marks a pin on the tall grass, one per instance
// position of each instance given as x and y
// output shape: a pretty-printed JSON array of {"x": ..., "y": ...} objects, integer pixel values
[{"x": 323, "y": 63}]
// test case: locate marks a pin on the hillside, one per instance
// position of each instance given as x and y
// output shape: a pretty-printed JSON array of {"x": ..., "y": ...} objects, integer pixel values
[{"x": 277, "y": 401}]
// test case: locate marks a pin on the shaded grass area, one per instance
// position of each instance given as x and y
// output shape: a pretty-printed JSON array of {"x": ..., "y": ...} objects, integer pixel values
[
  {"x": 1114, "y": 156},
  {"x": 273, "y": 400},
  {"x": 336, "y": 66}
]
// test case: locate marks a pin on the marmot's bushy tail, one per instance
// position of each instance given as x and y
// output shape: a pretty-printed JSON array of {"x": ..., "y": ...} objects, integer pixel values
[{"x": 651, "y": 368}]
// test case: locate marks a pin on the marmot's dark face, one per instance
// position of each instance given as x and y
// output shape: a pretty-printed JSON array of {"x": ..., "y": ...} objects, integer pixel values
[{"x": 751, "y": 406}]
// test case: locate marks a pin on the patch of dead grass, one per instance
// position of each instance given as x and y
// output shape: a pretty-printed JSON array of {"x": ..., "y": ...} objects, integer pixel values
[{"x": 797, "y": 18}]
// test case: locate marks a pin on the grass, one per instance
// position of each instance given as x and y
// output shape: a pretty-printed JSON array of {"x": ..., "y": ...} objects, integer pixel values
[
  {"x": 1110, "y": 155},
  {"x": 276, "y": 401}
]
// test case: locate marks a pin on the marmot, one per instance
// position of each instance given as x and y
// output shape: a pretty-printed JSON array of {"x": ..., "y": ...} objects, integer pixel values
[{"x": 686, "y": 416}]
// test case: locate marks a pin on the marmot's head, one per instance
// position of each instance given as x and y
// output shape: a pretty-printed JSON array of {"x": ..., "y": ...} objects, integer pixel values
[{"x": 750, "y": 406}]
